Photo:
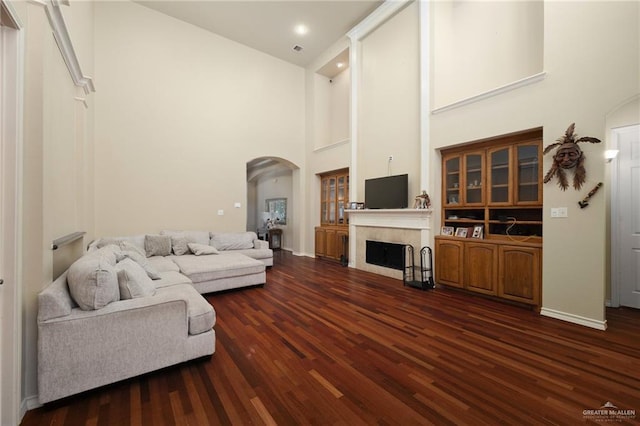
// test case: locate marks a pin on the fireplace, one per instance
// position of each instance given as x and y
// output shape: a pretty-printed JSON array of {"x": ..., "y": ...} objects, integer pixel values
[
  {"x": 388, "y": 255},
  {"x": 399, "y": 226}
]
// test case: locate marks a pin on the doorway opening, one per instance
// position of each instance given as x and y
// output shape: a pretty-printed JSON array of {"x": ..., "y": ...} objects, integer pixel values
[
  {"x": 272, "y": 198},
  {"x": 625, "y": 218}
]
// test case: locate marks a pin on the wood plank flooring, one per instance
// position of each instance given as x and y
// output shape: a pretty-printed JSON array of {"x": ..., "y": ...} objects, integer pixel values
[{"x": 324, "y": 344}]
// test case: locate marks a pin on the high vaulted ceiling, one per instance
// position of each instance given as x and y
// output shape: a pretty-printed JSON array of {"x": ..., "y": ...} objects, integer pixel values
[{"x": 269, "y": 26}]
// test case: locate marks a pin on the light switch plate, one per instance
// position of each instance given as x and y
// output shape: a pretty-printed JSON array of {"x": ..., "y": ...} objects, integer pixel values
[
  {"x": 220, "y": 212},
  {"x": 557, "y": 212}
]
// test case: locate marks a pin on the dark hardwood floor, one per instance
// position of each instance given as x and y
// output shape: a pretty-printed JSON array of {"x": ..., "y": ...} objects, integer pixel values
[{"x": 324, "y": 344}]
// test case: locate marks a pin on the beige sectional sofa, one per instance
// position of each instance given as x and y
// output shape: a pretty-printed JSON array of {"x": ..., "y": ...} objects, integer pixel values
[{"x": 129, "y": 307}]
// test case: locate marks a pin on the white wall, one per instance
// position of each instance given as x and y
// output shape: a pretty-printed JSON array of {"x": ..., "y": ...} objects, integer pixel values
[
  {"x": 57, "y": 187},
  {"x": 389, "y": 106},
  {"x": 339, "y": 94},
  {"x": 588, "y": 74},
  {"x": 179, "y": 113},
  {"x": 481, "y": 45},
  {"x": 321, "y": 156}
]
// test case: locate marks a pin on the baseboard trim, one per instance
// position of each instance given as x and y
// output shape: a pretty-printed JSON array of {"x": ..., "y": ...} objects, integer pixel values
[
  {"x": 29, "y": 403},
  {"x": 576, "y": 319}
]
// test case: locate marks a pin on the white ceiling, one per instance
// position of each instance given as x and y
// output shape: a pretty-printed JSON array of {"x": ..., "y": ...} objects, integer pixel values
[{"x": 268, "y": 25}]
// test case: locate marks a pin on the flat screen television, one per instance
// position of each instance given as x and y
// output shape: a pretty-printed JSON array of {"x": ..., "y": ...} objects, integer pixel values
[{"x": 389, "y": 192}]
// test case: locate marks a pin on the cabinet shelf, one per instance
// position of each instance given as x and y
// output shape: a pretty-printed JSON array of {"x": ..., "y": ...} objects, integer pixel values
[{"x": 521, "y": 222}]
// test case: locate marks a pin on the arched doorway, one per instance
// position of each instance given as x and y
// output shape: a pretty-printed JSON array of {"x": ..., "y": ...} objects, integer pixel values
[{"x": 273, "y": 181}]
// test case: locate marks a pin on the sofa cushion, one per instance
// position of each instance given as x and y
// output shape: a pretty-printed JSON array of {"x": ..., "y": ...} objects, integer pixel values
[
  {"x": 202, "y": 316},
  {"x": 157, "y": 245},
  {"x": 93, "y": 282},
  {"x": 163, "y": 264},
  {"x": 200, "y": 237},
  {"x": 233, "y": 240},
  {"x": 151, "y": 271},
  {"x": 133, "y": 280},
  {"x": 169, "y": 278},
  {"x": 255, "y": 253},
  {"x": 202, "y": 249},
  {"x": 207, "y": 268}
]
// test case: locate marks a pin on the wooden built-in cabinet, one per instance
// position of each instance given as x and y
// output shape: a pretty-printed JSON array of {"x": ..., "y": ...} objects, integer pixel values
[
  {"x": 497, "y": 185},
  {"x": 331, "y": 237}
]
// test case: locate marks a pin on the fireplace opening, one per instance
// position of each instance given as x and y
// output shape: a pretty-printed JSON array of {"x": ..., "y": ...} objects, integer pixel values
[{"x": 389, "y": 255}]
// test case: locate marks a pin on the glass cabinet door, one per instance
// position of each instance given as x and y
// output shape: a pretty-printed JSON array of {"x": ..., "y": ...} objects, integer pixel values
[
  {"x": 473, "y": 178},
  {"x": 528, "y": 165},
  {"x": 342, "y": 197},
  {"x": 324, "y": 201},
  {"x": 499, "y": 175},
  {"x": 452, "y": 181},
  {"x": 332, "y": 200}
]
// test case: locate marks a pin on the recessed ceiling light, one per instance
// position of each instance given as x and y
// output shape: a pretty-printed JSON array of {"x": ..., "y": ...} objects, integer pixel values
[
  {"x": 301, "y": 29},
  {"x": 340, "y": 64}
]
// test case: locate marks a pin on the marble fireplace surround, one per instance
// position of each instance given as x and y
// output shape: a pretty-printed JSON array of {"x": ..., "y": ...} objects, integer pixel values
[{"x": 400, "y": 226}]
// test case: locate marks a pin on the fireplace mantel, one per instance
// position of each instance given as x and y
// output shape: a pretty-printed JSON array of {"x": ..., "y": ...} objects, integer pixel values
[
  {"x": 404, "y": 226},
  {"x": 391, "y": 218}
]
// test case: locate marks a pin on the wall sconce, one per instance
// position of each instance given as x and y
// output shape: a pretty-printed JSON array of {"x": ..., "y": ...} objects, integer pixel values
[{"x": 610, "y": 154}]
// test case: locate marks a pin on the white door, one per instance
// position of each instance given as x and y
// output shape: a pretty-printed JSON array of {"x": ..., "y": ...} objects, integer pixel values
[{"x": 628, "y": 216}]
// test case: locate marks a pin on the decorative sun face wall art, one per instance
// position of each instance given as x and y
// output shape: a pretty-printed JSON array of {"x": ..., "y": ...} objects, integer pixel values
[{"x": 568, "y": 156}]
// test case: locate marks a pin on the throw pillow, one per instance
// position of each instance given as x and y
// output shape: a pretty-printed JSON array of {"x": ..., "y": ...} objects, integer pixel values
[
  {"x": 200, "y": 249},
  {"x": 179, "y": 245},
  {"x": 157, "y": 245},
  {"x": 127, "y": 246},
  {"x": 122, "y": 244},
  {"x": 133, "y": 281},
  {"x": 151, "y": 271},
  {"x": 93, "y": 282}
]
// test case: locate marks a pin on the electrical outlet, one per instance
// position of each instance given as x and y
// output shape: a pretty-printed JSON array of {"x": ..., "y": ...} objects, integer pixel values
[
  {"x": 391, "y": 158},
  {"x": 220, "y": 212},
  {"x": 237, "y": 205}
]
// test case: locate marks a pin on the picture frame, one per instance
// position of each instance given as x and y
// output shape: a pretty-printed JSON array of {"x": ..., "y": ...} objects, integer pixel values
[
  {"x": 461, "y": 232},
  {"x": 478, "y": 232},
  {"x": 277, "y": 209},
  {"x": 360, "y": 206},
  {"x": 447, "y": 230}
]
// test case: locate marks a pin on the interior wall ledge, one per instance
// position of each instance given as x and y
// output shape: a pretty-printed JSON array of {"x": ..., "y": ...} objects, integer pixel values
[
  {"x": 63, "y": 39},
  {"x": 493, "y": 92},
  {"x": 332, "y": 145}
]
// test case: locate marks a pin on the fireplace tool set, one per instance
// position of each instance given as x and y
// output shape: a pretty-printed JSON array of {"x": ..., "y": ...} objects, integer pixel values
[{"x": 418, "y": 276}]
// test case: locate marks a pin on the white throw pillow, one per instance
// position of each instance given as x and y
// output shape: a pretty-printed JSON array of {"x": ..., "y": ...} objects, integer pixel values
[
  {"x": 93, "y": 282},
  {"x": 133, "y": 281},
  {"x": 179, "y": 245},
  {"x": 141, "y": 260},
  {"x": 200, "y": 249}
]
